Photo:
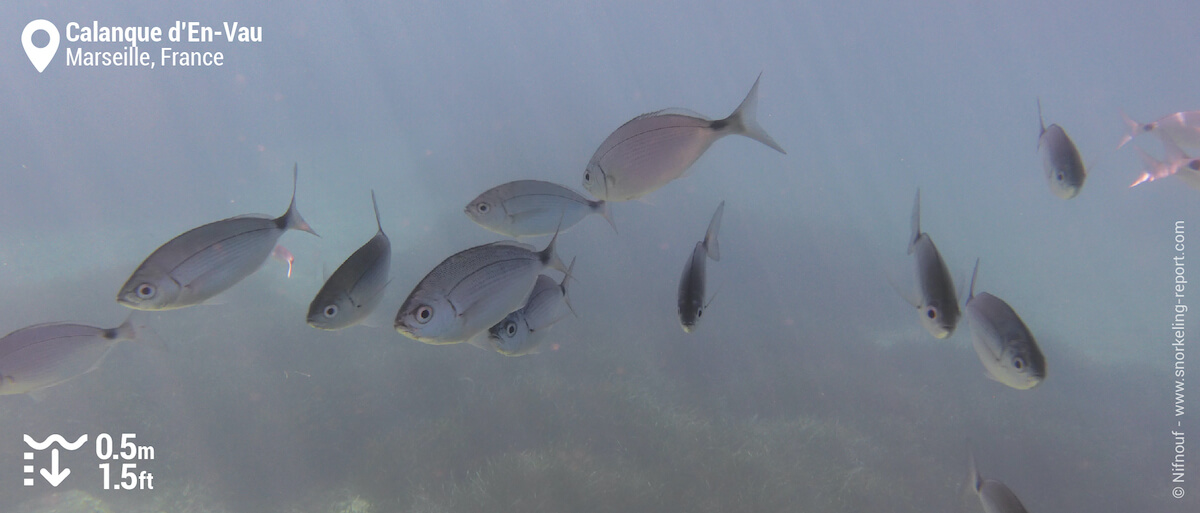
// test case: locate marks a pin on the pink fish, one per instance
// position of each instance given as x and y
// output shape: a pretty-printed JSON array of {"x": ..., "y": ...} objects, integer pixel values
[{"x": 282, "y": 254}]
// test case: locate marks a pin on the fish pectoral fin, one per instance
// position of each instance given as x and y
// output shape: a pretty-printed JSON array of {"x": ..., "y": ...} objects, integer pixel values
[{"x": 909, "y": 298}]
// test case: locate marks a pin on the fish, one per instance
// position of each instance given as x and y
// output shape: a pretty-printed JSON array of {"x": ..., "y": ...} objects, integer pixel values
[
  {"x": 473, "y": 290},
  {"x": 937, "y": 305},
  {"x": 522, "y": 332},
  {"x": 205, "y": 261},
  {"x": 45, "y": 355},
  {"x": 1175, "y": 163},
  {"x": 353, "y": 291},
  {"x": 651, "y": 150},
  {"x": 691, "y": 299},
  {"x": 282, "y": 254},
  {"x": 528, "y": 208},
  {"x": 1007, "y": 349},
  {"x": 1060, "y": 160},
  {"x": 1181, "y": 127},
  {"x": 995, "y": 496}
]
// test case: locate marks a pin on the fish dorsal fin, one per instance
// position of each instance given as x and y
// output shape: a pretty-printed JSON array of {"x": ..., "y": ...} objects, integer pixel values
[
  {"x": 710, "y": 237},
  {"x": 971, "y": 290},
  {"x": 514, "y": 244},
  {"x": 252, "y": 216},
  {"x": 916, "y": 223},
  {"x": 1040, "y": 122},
  {"x": 973, "y": 479},
  {"x": 674, "y": 111},
  {"x": 375, "y": 204}
]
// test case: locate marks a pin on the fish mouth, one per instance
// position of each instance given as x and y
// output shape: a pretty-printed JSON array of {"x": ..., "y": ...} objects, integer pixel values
[
  {"x": 127, "y": 301},
  {"x": 687, "y": 328}
]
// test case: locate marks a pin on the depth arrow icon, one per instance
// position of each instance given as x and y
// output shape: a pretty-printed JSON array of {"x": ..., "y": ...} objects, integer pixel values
[{"x": 53, "y": 476}]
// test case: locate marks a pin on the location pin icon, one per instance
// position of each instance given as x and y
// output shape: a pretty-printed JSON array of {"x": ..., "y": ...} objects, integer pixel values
[{"x": 40, "y": 57}]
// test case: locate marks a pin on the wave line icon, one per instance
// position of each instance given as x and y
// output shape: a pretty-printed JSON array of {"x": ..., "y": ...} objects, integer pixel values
[{"x": 55, "y": 439}]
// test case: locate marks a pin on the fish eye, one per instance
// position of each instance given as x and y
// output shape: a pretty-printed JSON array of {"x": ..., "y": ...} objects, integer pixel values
[
  {"x": 931, "y": 313},
  {"x": 1059, "y": 177},
  {"x": 699, "y": 312},
  {"x": 424, "y": 313},
  {"x": 145, "y": 291},
  {"x": 512, "y": 328},
  {"x": 1019, "y": 363},
  {"x": 587, "y": 176},
  {"x": 483, "y": 208},
  {"x": 331, "y": 311}
]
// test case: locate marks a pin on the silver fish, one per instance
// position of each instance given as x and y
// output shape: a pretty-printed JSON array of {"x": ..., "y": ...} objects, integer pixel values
[
  {"x": 527, "y": 208},
  {"x": 355, "y": 288},
  {"x": 45, "y": 355},
  {"x": 522, "y": 332},
  {"x": 205, "y": 261},
  {"x": 994, "y": 495},
  {"x": 1175, "y": 162},
  {"x": 938, "y": 303},
  {"x": 653, "y": 149},
  {"x": 473, "y": 290},
  {"x": 1004, "y": 344},
  {"x": 1060, "y": 159},
  {"x": 691, "y": 285},
  {"x": 1181, "y": 127}
]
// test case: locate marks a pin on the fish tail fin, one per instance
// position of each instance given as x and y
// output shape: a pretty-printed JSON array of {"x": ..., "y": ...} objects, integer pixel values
[
  {"x": 1130, "y": 124},
  {"x": 916, "y": 223},
  {"x": 127, "y": 330},
  {"x": 1153, "y": 169},
  {"x": 605, "y": 210},
  {"x": 548, "y": 255},
  {"x": 375, "y": 204},
  {"x": 971, "y": 290},
  {"x": 710, "y": 237},
  {"x": 563, "y": 286},
  {"x": 292, "y": 220},
  {"x": 744, "y": 120}
]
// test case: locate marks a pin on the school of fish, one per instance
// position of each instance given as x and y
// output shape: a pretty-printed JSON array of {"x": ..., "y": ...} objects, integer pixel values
[{"x": 497, "y": 296}]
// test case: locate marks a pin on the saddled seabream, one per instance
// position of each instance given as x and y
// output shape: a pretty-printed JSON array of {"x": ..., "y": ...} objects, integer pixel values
[
  {"x": 1181, "y": 127},
  {"x": 1004, "y": 344},
  {"x": 473, "y": 290},
  {"x": 994, "y": 495},
  {"x": 522, "y": 332},
  {"x": 45, "y": 355},
  {"x": 937, "y": 304},
  {"x": 527, "y": 208},
  {"x": 691, "y": 299},
  {"x": 353, "y": 291},
  {"x": 207, "y": 260},
  {"x": 653, "y": 149},
  {"x": 1060, "y": 160}
]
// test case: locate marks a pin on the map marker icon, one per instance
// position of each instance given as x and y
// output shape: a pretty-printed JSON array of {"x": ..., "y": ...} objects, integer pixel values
[{"x": 40, "y": 57}]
